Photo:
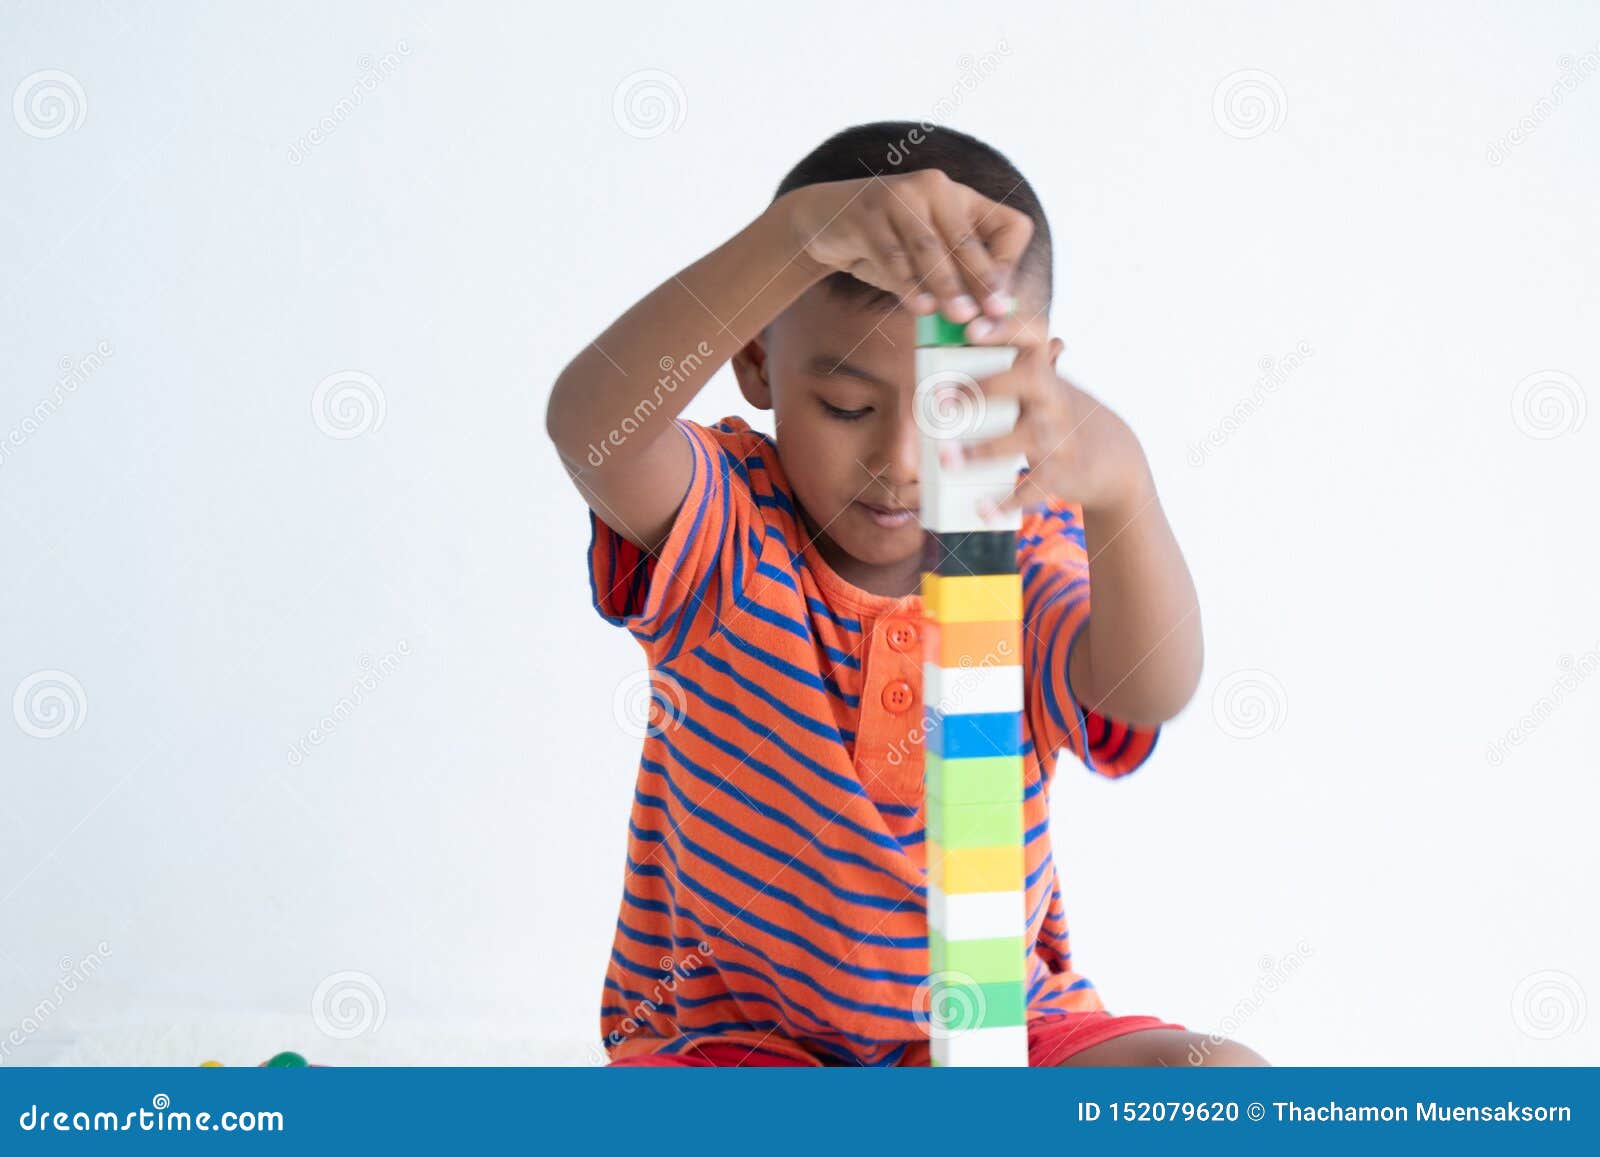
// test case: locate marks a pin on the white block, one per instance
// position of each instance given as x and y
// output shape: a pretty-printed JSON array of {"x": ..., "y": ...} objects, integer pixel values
[
  {"x": 973, "y": 415},
  {"x": 1005, "y": 1047},
  {"x": 953, "y": 507},
  {"x": 974, "y": 361},
  {"x": 1001, "y": 473},
  {"x": 977, "y": 915},
  {"x": 972, "y": 690}
]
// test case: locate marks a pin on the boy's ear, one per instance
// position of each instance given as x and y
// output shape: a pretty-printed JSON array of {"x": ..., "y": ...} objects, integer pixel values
[{"x": 750, "y": 367}]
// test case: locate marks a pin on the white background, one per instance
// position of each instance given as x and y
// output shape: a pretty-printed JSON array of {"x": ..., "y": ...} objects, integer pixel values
[{"x": 1396, "y": 546}]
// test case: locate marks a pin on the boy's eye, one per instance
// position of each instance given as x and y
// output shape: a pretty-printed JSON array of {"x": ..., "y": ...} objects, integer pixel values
[{"x": 846, "y": 415}]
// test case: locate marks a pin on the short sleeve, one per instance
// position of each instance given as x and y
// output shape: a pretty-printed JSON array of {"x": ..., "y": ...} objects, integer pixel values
[
  {"x": 671, "y": 601},
  {"x": 1054, "y": 563}
]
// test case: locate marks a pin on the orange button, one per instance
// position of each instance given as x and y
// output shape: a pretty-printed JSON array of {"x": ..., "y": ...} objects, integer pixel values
[
  {"x": 902, "y": 636},
  {"x": 897, "y": 696}
]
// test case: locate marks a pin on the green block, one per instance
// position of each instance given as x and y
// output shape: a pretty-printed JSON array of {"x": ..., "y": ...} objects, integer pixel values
[
  {"x": 936, "y": 329},
  {"x": 990, "y": 961},
  {"x": 961, "y": 1007},
  {"x": 974, "y": 825},
  {"x": 991, "y": 779}
]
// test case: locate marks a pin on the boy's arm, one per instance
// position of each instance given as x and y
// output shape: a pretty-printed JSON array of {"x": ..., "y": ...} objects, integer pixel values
[
  {"x": 934, "y": 243},
  {"x": 612, "y": 406},
  {"x": 1139, "y": 659}
]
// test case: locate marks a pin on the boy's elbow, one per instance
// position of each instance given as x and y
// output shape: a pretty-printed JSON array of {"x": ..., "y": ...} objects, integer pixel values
[
  {"x": 559, "y": 426},
  {"x": 1140, "y": 703},
  {"x": 1147, "y": 711},
  {"x": 1172, "y": 687},
  {"x": 1147, "y": 696},
  {"x": 1166, "y": 703},
  {"x": 1169, "y": 707}
]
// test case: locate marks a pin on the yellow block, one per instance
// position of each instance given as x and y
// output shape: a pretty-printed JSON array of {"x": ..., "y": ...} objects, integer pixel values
[
  {"x": 972, "y": 598},
  {"x": 964, "y": 870}
]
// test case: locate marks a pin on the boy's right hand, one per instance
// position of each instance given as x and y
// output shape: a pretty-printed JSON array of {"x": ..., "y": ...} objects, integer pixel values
[{"x": 933, "y": 243}]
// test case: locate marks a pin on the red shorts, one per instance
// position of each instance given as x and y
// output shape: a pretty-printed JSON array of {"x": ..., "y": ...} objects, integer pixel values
[{"x": 1051, "y": 1040}]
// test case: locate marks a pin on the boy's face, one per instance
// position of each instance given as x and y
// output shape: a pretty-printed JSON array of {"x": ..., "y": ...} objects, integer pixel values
[{"x": 840, "y": 378}]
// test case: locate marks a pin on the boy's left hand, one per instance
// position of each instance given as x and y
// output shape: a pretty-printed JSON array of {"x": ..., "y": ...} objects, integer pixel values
[{"x": 1078, "y": 451}]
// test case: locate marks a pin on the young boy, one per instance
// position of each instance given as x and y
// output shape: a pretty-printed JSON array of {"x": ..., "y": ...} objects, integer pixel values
[{"x": 773, "y": 907}]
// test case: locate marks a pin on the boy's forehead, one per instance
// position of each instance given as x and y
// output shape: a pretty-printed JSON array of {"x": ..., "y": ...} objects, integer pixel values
[
  {"x": 821, "y": 316},
  {"x": 820, "y": 320}
]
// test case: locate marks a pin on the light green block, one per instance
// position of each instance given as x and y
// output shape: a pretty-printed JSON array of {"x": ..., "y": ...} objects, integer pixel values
[
  {"x": 994, "y": 779},
  {"x": 974, "y": 825},
  {"x": 981, "y": 961}
]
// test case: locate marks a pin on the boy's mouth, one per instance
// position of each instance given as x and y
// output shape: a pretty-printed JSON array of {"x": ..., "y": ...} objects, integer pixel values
[{"x": 888, "y": 517}]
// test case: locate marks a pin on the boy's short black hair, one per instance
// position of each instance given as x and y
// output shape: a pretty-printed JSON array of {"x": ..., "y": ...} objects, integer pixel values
[{"x": 885, "y": 147}]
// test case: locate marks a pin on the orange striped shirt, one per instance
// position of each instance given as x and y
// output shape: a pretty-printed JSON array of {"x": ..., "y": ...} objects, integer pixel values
[{"x": 774, "y": 888}]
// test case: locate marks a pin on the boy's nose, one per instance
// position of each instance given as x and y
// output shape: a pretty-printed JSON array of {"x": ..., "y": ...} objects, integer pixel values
[{"x": 900, "y": 455}]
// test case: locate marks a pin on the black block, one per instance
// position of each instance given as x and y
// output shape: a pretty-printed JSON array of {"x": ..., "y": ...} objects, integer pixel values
[{"x": 971, "y": 553}]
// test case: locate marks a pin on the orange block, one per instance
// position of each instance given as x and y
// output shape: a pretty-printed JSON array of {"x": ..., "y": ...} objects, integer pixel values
[{"x": 991, "y": 644}]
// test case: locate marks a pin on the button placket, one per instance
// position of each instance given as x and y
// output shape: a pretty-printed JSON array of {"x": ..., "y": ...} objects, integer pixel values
[{"x": 887, "y": 757}]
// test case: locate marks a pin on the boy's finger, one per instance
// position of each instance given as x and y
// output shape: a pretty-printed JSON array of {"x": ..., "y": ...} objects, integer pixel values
[
  {"x": 992, "y": 509},
  {"x": 1006, "y": 384},
  {"x": 1005, "y": 232},
  {"x": 983, "y": 277},
  {"x": 894, "y": 265},
  {"x": 1015, "y": 328},
  {"x": 1024, "y": 379},
  {"x": 1024, "y": 494},
  {"x": 1005, "y": 446},
  {"x": 934, "y": 272}
]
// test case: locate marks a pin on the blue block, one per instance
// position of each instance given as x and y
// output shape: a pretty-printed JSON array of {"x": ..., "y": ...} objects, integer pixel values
[{"x": 973, "y": 736}]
